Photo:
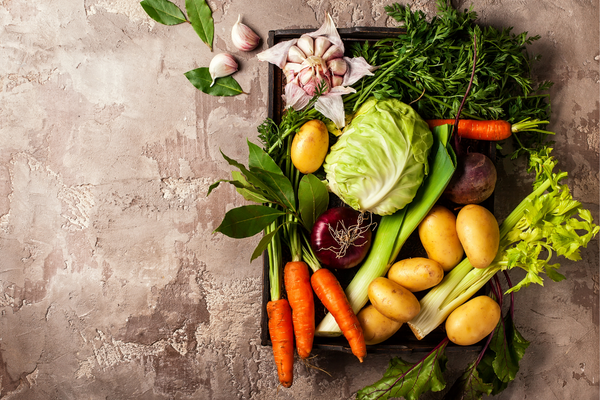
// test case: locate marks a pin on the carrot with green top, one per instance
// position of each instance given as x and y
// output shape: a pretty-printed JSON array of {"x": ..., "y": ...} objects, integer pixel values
[{"x": 493, "y": 130}]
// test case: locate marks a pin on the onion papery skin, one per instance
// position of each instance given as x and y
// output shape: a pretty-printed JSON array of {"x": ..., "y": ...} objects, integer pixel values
[{"x": 328, "y": 250}]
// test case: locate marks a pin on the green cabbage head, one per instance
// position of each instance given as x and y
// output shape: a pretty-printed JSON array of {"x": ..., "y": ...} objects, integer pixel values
[{"x": 380, "y": 160}]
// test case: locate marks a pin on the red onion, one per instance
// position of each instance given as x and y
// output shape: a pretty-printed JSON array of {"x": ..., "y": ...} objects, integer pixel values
[{"x": 341, "y": 237}]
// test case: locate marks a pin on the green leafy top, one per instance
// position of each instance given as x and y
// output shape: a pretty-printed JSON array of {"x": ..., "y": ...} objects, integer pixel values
[{"x": 429, "y": 66}]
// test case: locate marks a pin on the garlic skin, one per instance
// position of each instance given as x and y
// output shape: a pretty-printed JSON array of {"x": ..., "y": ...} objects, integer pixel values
[
  {"x": 243, "y": 38},
  {"x": 221, "y": 65}
]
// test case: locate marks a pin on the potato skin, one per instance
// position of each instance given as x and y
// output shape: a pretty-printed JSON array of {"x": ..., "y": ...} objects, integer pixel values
[
  {"x": 479, "y": 233},
  {"x": 392, "y": 300},
  {"x": 310, "y": 146},
  {"x": 416, "y": 274},
  {"x": 376, "y": 326},
  {"x": 473, "y": 321},
  {"x": 438, "y": 235}
]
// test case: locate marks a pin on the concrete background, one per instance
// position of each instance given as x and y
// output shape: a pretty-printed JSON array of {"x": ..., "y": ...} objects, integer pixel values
[{"x": 112, "y": 285}]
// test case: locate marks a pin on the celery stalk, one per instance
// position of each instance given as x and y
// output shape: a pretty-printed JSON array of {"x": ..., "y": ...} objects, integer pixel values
[
  {"x": 394, "y": 230},
  {"x": 543, "y": 220}
]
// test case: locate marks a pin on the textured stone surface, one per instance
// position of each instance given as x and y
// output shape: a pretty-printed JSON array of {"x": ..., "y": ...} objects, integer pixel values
[{"x": 112, "y": 285}]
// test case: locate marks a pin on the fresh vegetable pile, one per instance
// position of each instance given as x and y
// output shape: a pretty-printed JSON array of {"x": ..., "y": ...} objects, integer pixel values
[{"x": 375, "y": 147}]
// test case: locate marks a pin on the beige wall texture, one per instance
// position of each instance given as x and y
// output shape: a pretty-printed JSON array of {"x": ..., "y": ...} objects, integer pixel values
[{"x": 112, "y": 283}]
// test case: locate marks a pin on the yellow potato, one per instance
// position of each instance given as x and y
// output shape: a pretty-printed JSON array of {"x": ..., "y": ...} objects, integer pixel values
[
  {"x": 416, "y": 274},
  {"x": 479, "y": 234},
  {"x": 376, "y": 326},
  {"x": 438, "y": 235},
  {"x": 392, "y": 300},
  {"x": 473, "y": 321},
  {"x": 310, "y": 146}
]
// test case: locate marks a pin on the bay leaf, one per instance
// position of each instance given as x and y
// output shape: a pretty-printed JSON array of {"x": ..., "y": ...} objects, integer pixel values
[
  {"x": 164, "y": 12},
  {"x": 201, "y": 79},
  {"x": 202, "y": 21}
]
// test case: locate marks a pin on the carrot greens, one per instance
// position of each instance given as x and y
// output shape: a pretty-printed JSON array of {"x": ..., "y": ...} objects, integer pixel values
[{"x": 429, "y": 66}]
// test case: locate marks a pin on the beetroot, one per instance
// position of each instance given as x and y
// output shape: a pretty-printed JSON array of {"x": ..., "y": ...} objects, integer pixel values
[{"x": 473, "y": 181}]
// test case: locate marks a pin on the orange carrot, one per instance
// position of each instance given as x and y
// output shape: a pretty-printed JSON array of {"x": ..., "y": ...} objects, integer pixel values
[
  {"x": 282, "y": 338},
  {"x": 489, "y": 130},
  {"x": 473, "y": 129},
  {"x": 300, "y": 297},
  {"x": 331, "y": 294}
]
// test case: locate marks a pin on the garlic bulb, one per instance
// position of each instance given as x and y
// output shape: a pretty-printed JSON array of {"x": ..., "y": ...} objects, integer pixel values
[
  {"x": 315, "y": 64},
  {"x": 221, "y": 65},
  {"x": 243, "y": 37}
]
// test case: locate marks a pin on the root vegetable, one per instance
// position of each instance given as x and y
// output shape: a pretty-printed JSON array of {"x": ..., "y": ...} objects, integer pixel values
[
  {"x": 473, "y": 321},
  {"x": 330, "y": 292},
  {"x": 478, "y": 231},
  {"x": 416, "y": 274},
  {"x": 437, "y": 233},
  {"x": 392, "y": 300},
  {"x": 473, "y": 181},
  {"x": 300, "y": 296},
  {"x": 376, "y": 327}
]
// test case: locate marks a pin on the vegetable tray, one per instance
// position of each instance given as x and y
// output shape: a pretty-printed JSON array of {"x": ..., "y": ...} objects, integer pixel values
[{"x": 404, "y": 340}]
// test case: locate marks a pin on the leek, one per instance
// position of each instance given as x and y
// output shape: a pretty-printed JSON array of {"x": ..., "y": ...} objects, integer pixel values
[
  {"x": 394, "y": 230},
  {"x": 548, "y": 220}
]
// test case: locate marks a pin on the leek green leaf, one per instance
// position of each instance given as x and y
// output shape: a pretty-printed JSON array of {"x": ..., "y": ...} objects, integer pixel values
[
  {"x": 163, "y": 11},
  {"x": 313, "y": 199},
  {"x": 202, "y": 21},
  {"x": 201, "y": 79},
  {"x": 246, "y": 221}
]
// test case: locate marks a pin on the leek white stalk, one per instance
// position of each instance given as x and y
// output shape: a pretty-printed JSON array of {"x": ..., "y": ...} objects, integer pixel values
[{"x": 395, "y": 229}]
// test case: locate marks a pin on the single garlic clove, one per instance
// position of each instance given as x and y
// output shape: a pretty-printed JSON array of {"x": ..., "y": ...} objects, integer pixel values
[
  {"x": 291, "y": 70},
  {"x": 221, "y": 65},
  {"x": 243, "y": 38},
  {"x": 296, "y": 55},
  {"x": 337, "y": 80},
  {"x": 337, "y": 66},
  {"x": 321, "y": 45},
  {"x": 332, "y": 53},
  {"x": 307, "y": 45},
  {"x": 306, "y": 76}
]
